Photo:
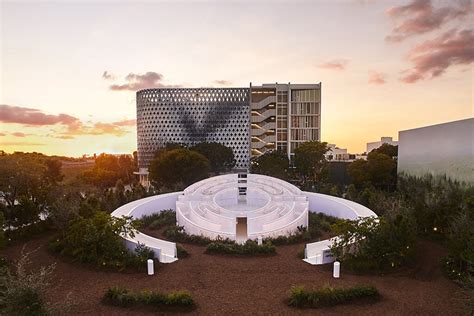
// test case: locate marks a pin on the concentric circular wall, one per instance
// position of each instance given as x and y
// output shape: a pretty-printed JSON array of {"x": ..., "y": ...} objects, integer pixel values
[{"x": 240, "y": 207}]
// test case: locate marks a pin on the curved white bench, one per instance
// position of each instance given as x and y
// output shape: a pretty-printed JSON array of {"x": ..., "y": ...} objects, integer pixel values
[
  {"x": 319, "y": 252},
  {"x": 165, "y": 251}
]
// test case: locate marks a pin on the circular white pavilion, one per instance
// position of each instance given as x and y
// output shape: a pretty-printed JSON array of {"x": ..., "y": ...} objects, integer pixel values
[{"x": 241, "y": 207}]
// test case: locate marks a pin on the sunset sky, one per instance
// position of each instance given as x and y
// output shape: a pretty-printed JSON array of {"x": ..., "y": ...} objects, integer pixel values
[{"x": 69, "y": 70}]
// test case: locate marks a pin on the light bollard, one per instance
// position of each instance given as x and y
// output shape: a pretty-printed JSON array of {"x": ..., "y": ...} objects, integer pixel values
[
  {"x": 336, "y": 270},
  {"x": 151, "y": 267},
  {"x": 260, "y": 240}
]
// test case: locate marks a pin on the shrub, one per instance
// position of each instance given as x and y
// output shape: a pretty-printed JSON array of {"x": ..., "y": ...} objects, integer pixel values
[
  {"x": 329, "y": 296},
  {"x": 22, "y": 292},
  {"x": 369, "y": 244},
  {"x": 249, "y": 248},
  {"x": 159, "y": 220},
  {"x": 124, "y": 298},
  {"x": 97, "y": 240},
  {"x": 177, "y": 234},
  {"x": 181, "y": 252}
]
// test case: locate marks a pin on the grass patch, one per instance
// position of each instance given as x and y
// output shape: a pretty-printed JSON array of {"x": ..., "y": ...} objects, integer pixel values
[
  {"x": 250, "y": 248},
  {"x": 330, "y": 296},
  {"x": 117, "y": 296},
  {"x": 159, "y": 220}
]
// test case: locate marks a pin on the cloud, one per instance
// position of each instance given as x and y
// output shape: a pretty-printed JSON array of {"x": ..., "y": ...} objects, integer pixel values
[
  {"x": 19, "y": 134},
  {"x": 336, "y": 64},
  {"x": 28, "y": 116},
  {"x": 377, "y": 78},
  {"x": 132, "y": 122},
  {"x": 3, "y": 134},
  {"x": 223, "y": 82},
  {"x": 21, "y": 144},
  {"x": 108, "y": 76},
  {"x": 136, "y": 82},
  {"x": 72, "y": 126},
  {"x": 420, "y": 17},
  {"x": 432, "y": 58}
]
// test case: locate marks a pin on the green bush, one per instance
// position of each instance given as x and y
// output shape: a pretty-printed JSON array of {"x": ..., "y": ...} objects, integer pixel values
[
  {"x": 159, "y": 220},
  {"x": 177, "y": 234},
  {"x": 329, "y": 296},
  {"x": 124, "y": 298},
  {"x": 249, "y": 248},
  {"x": 181, "y": 252},
  {"x": 375, "y": 244},
  {"x": 22, "y": 290},
  {"x": 97, "y": 240}
]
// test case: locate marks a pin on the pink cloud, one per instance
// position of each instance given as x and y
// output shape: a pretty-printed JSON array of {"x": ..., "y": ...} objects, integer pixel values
[
  {"x": 136, "y": 82},
  {"x": 20, "y": 134},
  {"x": 3, "y": 134},
  {"x": 420, "y": 17},
  {"x": 336, "y": 64},
  {"x": 432, "y": 58},
  {"x": 72, "y": 126},
  {"x": 377, "y": 78},
  {"x": 132, "y": 122}
]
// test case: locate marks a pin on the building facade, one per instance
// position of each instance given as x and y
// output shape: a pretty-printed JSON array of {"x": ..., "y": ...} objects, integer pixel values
[
  {"x": 251, "y": 120},
  {"x": 383, "y": 140}
]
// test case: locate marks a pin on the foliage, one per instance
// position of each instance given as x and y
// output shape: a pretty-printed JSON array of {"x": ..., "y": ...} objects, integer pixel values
[
  {"x": 273, "y": 163},
  {"x": 22, "y": 292},
  {"x": 330, "y": 296},
  {"x": 310, "y": 162},
  {"x": 124, "y": 298},
  {"x": 318, "y": 224},
  {"x": 178, "y": 168},
  {"x": 375, "y": 244},
  {"x": 387, "y": 149},
  {"x": 97, "y": 240},
  {"x": 221, "y": 158},
  {"x": 460, "y": 242},
  {"x": 249, "y": 248},
  {"x": 177, "y": 234},
  {"x": 159, "y": 220},
  {"x": 379, "y": 170},
  {"x": 3, "y": 239},
  {"x": 108, "y": 169},
  {"x": 181, "y": 252},
  {"x": 28, "y": 184}
]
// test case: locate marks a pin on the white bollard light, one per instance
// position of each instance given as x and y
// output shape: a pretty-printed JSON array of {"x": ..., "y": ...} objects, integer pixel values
[
  {"x": 151, "y": 267},
  {"x": 337, "y": 269},
  {"x": 259, "y": 240}
]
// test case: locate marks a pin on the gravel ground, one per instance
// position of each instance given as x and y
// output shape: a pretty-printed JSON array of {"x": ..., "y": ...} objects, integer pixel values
[{"x": 248, "y": 286}]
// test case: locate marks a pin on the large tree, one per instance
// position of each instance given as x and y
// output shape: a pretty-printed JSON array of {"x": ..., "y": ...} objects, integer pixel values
[
  {"x": 378, "y": 170},
  {"x": 178, "y": 168},
  {"x": 273, "y": 163},
  {"x": 310, "y": 162},
  {"x": 220, "y": 157},
  {"x": 108, "y": 169},
  {"x": 387, "y": 149}
]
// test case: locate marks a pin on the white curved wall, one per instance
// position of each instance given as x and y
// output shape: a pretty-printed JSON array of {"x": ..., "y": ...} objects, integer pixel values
[
  {"x": 164, "y": 250},
  {"x": 319, "y": 252}
]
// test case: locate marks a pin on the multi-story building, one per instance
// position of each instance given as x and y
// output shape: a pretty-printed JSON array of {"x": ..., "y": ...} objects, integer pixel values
[
  {"x": 251, "y": 121},
  {"x": 283, "y": 116}
]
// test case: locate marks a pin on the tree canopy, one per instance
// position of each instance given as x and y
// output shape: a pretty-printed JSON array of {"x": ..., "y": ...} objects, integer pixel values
[
  {"x": 221, "y": 158},
  {"x": 273, "y": 163},
  {"x": 378, "y": 170},
  {"x": 178, "y": 168},
  {"x": 310, "y": 162},
  {"x": 387, "y": 149},
  {"x": 108, "y": 169}
]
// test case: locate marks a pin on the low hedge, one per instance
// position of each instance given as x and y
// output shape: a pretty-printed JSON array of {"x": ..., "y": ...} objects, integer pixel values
[
  {"x": 329, "y": 296},
  {"x": 124, "y": 298},
  {"x": 159, "y": 220},
  {"x": 177, "y": 234},
  {"x": 249, "y": 248}
]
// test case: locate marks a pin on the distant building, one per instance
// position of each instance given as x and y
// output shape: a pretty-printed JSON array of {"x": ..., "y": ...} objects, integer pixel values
[
  {"x": 442, "y": 149},
  {"x": 383, "y": 140},
  {"x": 251, "y": 120}
]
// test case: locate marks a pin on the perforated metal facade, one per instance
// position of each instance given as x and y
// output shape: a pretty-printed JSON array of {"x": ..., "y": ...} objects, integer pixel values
[{"x": 193, "y": 115}]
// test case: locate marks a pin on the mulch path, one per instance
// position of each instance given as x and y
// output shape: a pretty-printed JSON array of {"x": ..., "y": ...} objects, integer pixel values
[{"x": 247, "y": 286}]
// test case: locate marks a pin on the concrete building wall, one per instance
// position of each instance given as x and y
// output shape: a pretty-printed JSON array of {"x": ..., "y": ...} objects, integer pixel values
[{"x": 443, "y": 149}]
